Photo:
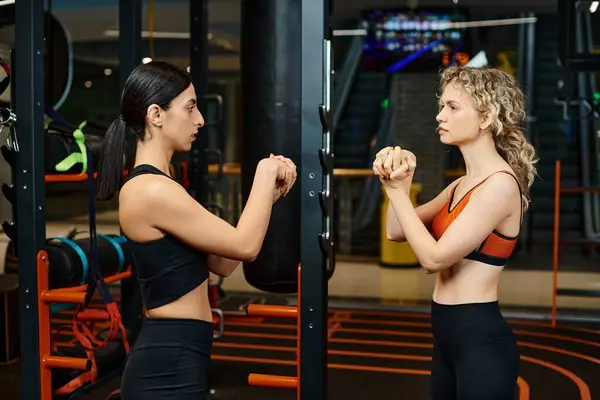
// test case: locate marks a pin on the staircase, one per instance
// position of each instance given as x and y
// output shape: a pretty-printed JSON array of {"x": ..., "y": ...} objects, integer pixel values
[
  {"x": 554, "y": 139},
  {"x": 359, "y": 122},
  {"x": 357, "y": 128}
]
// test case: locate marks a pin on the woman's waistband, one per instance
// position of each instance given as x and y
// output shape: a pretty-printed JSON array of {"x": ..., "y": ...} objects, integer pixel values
[
  {"x": 191, "y": 332},
  {"x": 467, "y": 312}
]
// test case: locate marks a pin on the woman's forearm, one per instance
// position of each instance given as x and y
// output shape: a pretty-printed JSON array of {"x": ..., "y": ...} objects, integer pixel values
[
  {"x": 416, "y": 233},
  {"x": 392, "y": 226},
  {"x": 255, "y": 218},
  {"x": 222, "y": 266}
]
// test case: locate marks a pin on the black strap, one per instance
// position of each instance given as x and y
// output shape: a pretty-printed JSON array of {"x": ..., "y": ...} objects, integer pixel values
[
  {"x": 95, "y": 275},
  {"x": 144, "y": 169},
  {"x": 486, "y": 258}
]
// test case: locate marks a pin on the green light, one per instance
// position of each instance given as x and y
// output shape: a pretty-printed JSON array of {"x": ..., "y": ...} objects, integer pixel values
[
  {"x": 385, "y": 103},
  {"x": 597, "y": 96}
]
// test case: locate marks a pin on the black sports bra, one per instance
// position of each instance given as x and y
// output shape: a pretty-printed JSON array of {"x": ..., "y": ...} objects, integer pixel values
[{"x": 166, "y": 268}]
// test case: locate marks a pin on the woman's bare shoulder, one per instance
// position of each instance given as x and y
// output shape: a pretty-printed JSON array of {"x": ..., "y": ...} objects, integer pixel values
[{"x": 147, "y": 192}]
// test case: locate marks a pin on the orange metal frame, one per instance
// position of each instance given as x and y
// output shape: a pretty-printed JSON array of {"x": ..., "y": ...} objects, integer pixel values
[
  {"x": 278, "y": 381},
  {"x": 56, "y": 178},
  {"x": 45, "y": 298},
  {"x": 555, "y": 238},
  {"x": 558, "y": 190}
]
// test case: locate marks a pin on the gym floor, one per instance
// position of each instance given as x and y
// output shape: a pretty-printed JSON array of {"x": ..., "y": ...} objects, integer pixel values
[
  {"x": 387, "y": 355},
  {"x": 380, "y": 354}
]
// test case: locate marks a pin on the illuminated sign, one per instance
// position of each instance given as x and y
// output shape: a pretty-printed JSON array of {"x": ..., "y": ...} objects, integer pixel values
[{"x": 461, "y": 58}]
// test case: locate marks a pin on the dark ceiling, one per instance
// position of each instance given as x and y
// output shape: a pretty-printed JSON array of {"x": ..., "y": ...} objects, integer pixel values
[{"x": 93, "y": 24}]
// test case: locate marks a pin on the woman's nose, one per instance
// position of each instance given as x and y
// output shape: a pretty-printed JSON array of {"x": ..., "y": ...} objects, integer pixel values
[{"x": 200, "y": 120}]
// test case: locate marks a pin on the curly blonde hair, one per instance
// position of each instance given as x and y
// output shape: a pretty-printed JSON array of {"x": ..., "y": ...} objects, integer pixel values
[{"x": 497, "y": 93}]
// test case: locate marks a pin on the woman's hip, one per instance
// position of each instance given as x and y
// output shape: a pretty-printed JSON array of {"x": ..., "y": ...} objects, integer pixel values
[
  {"x": 474, "y": 323},
  {"x": 170, "y": 359}
]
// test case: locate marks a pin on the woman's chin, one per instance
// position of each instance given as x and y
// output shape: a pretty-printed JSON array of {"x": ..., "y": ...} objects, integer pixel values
[
  {"x": 185, "y": 147},
  {"x": 445, "y": 139}
]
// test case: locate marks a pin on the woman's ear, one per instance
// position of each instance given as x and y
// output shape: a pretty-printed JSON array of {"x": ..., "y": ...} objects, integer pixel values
[
  {"x": 154, "y": 115},
  {"x": 486, "y": 121}
]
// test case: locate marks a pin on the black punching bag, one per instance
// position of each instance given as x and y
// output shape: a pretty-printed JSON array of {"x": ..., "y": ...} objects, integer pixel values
[{"x": 270, "y": 77}]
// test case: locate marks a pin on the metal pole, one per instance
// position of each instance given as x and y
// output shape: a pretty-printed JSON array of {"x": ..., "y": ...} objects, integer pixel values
[
  {"x": 130, "y": 38},
  {"x": 130, "y": 55},
  {"x": 529, "y": 72},
  {"x": 29, "y": 180},
  {"x": 199, "y": 72},
  {"x": 315, "y": 182},
  {"x": 526, "y": 69}
]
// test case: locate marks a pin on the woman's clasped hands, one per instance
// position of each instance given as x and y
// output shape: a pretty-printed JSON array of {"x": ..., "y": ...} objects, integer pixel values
[
  {"x": 395, "y": 167},
  {"x": 285, "y": 177}
]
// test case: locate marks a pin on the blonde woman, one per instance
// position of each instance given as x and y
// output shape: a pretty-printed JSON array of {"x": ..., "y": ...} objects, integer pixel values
[{"x": 474, "y": 225}]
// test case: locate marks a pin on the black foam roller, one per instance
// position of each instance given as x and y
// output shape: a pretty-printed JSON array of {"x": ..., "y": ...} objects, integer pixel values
[
  {"x": 270, "y": 78},
  {"x": 65, "y": 264}
]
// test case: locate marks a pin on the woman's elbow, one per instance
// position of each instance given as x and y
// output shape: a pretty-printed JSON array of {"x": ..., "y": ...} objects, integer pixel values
[
  {"x": 433, "y": 264},
  {"x": 227, "y": 273},
  {"x": 247, "y": 249},
  {"x": 249, "y": 254},
  {"x": 395, "y": 236},
  {"x": 431, "y": 269},
  {"x": 221, "y": 274}
]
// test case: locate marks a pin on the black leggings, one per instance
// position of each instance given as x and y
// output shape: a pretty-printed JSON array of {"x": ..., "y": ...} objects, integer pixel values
[
  {"x": 475, "y": 354},
  {"x": 169, "y": 360}
]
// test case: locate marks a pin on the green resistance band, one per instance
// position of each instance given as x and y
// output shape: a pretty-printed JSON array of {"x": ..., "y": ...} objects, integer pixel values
[{"x": 75, "y": 158}]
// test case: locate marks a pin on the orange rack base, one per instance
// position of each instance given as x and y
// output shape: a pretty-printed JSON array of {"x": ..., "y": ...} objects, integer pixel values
[
  {"x": 256, "y": 310},
  {"x": 275, "y": 381},
  {"x": 45, "y": 298},
  {"x": 278, "y": 381}
]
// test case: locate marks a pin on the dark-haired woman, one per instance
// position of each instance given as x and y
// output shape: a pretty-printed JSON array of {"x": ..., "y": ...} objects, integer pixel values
[{"x": 175, "y": 241}]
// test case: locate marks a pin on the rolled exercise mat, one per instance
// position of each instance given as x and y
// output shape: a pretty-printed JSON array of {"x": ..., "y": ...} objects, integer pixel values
[{"x": 68, "y": 259}]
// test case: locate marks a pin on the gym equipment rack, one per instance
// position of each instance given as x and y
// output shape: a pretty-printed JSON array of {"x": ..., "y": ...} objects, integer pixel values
[
  {"x": 317, "y": 258},
  {"x": 29, "y": 179},
  {"x": 316, "y": 183}
]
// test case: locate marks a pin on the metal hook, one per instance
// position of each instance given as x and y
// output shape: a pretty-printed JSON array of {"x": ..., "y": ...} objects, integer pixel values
[{"x": 8, "y": 119}]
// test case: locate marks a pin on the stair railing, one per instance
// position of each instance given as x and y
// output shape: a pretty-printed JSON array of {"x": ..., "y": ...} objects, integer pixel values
[
  {"x": 345, "y": 79},
  {"x": 371, "y": 197}
]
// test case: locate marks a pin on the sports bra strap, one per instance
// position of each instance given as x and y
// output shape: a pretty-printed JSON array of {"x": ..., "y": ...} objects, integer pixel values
[
  {"x": 481, "y": 183},
  {"x": 488, "y": 177},
  {"x": 518, "y": 186},
  {"x": 144, "y": 169},
  {"x": 520, "y": 193}
]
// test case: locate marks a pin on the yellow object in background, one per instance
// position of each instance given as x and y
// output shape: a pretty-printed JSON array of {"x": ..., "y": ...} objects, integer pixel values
[{"x": 394, "y": 254}]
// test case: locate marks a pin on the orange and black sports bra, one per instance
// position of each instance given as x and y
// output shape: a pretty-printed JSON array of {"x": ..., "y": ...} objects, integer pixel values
[{"x": 495, "y": 249}]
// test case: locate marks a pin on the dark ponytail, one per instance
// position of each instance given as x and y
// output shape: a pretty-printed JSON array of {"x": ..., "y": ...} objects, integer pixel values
[
  {"x": 110, "y": 167},
  {"x": 157, "y": 83}
]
